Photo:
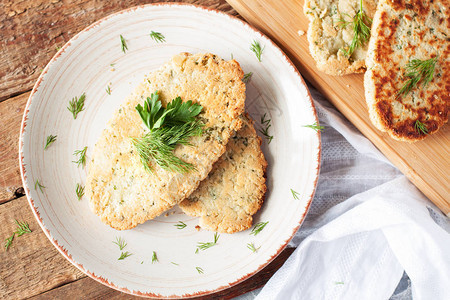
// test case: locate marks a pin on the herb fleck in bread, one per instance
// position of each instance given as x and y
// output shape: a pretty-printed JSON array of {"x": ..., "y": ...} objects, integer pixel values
[
  {"x": 328, "y": 38},
  {"x": 120, "y": 190},
  {"x": 234, "y": 190},
  {"x": 403, "y": 31}
]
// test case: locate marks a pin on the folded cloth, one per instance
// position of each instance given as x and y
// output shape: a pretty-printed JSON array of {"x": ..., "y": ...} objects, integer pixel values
[
  {"x": 366, "y": 226},
  {"x": 361, "y": 253}
]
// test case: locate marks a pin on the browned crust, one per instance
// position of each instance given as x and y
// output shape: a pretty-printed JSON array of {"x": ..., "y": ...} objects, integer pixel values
[
  {"x": 390, "y": 51},
  {"x": 325, "y": 35},
  {"x": 231, "y": 205},
  {"x": 123, "y": 194}
]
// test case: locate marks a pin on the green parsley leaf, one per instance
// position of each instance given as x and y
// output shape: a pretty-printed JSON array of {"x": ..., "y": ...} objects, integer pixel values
[{"x": 168, "y": 126}]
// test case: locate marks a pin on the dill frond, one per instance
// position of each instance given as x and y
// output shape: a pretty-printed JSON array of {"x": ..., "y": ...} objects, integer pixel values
[
  {"x": 420, "y": 127},
  {"x": 124, "y": 255},
  {"x": 81, "y": 157},
  {"x": 418, "y": 70},
  {"x": 265, "y": 130},
  {"x": 157, "y": 37},
  {"x": 120, "y": 242},
  {"x": 123, "y": 44},
  {"x": 76, "y": 105},
  {"x": 180, "y": 225},
  {"x": 22, "y": 228},
  {"x": 258, "y": 228},
  {"x": 204, "y": 246},
  {"x": 315, "y": 127},
  {"x": 295, "y": 194},
  {"x": 39, "y": 185},
  {"x": 256, "y": 48},
  {"x": 79, "y": 190},
  {"x": 252, "y": 247},
  {"x": 50, "y": 140},
  {"x": 154, "y": 257},
  {"x": 361, "y": 29},
  {"x": 247, "y": 77}
]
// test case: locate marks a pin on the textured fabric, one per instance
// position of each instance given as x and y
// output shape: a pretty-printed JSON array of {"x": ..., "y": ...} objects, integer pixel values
[{"x": 350, "y": 254}]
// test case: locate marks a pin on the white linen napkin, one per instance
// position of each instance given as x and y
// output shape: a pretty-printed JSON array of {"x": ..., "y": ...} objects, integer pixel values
[
  {"x": 367, "y": 226},
  {"x": 361, "y": 253}
]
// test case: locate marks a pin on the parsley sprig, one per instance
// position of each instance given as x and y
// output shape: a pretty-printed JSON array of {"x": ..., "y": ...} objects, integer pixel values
[
  {"x": 76, "y": 105},
  {"x": 169, "y": 126},
  {"x": 361, "y": 29},
  {"x": 417, "y": 71}
]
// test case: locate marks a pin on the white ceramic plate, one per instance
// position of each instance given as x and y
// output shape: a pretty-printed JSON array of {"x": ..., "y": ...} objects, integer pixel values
[{"x": 83, "y": 65}]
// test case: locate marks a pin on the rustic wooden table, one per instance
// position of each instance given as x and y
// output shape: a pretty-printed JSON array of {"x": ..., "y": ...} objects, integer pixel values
[{"x": 30, "y": 33}]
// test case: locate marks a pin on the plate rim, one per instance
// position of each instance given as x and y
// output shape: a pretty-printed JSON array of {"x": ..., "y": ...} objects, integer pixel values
[{"x": 64, "y": 251}]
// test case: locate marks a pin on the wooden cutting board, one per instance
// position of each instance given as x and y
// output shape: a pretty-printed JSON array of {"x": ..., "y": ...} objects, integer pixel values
[{"x": 425, "y": 163}]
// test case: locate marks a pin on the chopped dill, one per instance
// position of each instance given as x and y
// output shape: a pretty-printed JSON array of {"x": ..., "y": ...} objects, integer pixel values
[
  {"x": 258, "y": 228},
  {"x": 256, "y": 48},
  {"x": 50, "y": 140},
  {"x": 295, "y": 194},
  {"x": 265, "y": 131},
  {"x": 157, "y": 37}
]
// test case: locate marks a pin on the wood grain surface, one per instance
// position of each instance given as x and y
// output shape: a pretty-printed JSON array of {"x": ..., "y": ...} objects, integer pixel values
[
  {"x": 426, "y": 163},
  {"x": 30, "y": 32}
]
